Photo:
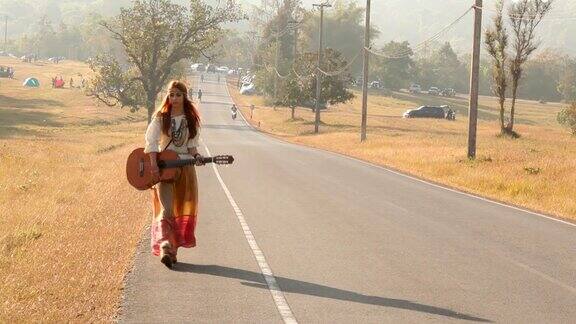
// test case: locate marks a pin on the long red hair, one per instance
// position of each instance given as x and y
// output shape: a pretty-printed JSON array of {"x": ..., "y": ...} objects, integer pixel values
[{"x": 190, "y": 111}]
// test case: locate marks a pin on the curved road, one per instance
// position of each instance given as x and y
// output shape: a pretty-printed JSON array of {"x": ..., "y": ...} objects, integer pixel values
[{"x": 347, "y": 242}]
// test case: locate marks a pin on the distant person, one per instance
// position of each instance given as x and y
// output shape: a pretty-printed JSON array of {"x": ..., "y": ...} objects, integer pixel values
[
  {"x": 251, "y": 111},
  {"x": 234, "y": 111},
  {"x": 200, "y": 95},
  {"x": 218, "y": 78},
  {"x": 59, "y": 83},
  {"x": 201, "y": 77},
  {"x": 71, "y": 83}
]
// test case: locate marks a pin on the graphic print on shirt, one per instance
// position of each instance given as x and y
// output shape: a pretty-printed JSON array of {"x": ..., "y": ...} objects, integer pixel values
[{"x": 180, "y": 135}]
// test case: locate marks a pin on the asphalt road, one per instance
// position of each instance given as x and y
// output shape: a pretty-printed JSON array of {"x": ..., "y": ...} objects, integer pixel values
[{"x": 347, "y": 242}]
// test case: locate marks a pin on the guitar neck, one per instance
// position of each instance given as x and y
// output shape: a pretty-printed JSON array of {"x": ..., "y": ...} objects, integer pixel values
[{"x": 180, "y": 163}]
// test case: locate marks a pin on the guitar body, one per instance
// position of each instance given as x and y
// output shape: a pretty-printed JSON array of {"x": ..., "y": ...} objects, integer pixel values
[{"x": 138, "y": 168}]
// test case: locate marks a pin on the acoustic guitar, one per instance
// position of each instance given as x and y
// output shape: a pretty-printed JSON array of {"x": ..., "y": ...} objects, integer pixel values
[{"x": 138, "y": 166}]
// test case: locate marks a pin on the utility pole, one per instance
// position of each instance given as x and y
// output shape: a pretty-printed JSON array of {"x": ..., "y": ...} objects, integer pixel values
[
  {"x": 295, "y": 23},
  {"x": 365, "y": 76},
  {"x": 276, "y": 67},
  {"x": 318, "y": 74},
  {"x": 474, "y": 75},
  {"x": 5, "y": 34}
]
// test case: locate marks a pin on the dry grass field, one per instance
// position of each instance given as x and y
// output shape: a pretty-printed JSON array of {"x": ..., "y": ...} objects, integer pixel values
[
  {"x": 70, "y": 220},
  {"x": 535, "y": 171}
]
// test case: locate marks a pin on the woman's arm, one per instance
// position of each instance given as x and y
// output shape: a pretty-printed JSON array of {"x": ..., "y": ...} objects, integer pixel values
[{"x": 153, "y": 145}]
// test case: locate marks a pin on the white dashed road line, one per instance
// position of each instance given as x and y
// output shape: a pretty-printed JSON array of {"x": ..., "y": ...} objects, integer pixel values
[{"x": 277, "y": 294}]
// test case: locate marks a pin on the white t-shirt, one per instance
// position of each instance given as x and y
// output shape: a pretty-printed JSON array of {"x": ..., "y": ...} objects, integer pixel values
[{"x": 156, "y": 140}]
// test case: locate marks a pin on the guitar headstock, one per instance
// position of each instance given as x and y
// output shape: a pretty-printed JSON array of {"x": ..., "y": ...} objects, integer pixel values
[{"x": 223, "y": 159}]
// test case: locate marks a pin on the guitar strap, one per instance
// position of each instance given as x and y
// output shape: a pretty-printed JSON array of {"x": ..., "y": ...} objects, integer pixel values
[
  {"x": 167, "y": 145},
  {"x": 170, "y": 142}
]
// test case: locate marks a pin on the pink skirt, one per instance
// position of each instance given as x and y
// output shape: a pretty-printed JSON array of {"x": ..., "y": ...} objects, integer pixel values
[{"x": 179, "y": 230}]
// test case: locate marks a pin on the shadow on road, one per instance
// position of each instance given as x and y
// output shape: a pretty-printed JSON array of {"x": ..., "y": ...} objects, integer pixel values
[{"x": 256, "y": 279}]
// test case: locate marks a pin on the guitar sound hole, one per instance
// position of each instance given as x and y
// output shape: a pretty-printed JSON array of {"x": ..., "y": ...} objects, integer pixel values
[{"x": 141, "y": 167}]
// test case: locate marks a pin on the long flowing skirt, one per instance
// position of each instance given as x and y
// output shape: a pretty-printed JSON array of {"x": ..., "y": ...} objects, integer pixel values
[{"x": 178, "y": 230}]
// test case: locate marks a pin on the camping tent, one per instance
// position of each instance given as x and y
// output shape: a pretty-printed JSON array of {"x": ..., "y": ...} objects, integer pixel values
[{"x": 31, "y": 82}]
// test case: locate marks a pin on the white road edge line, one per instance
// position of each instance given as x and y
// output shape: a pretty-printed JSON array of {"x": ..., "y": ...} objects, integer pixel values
[
  {"x": 277, "y": 294},
  {"x": 402, "y": 174}
]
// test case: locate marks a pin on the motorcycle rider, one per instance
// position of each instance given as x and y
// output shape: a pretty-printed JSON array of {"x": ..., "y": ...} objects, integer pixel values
[{"x": 234, "y": 111}]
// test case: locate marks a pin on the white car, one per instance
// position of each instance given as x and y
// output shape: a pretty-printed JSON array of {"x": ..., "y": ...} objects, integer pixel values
[
  {"x": 415, "y": 88},
  {"x": 222, "y": 69},
  {"x": 247, "y": 89}
]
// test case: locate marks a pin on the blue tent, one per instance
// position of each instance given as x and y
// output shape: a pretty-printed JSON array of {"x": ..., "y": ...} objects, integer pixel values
[{"x": 31, "y": 82}]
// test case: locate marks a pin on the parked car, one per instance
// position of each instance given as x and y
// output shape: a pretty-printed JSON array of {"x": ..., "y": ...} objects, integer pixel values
[
  {"x": 415, "y": 88},
  {"x": 448, "y": 92},
  {"x": 433, "y": 91},
  {"x": 450, "y": 114},
  {"x": 211, "y": 68},
  {"x": 6, "y": 72},
  {"x": 198, "y": 67},
  {"x": 222, "y": 69},
  {"x": 247, "y": 89},
  {"x": 375, "y": 85},
  {"x": 426, "y": 112}
]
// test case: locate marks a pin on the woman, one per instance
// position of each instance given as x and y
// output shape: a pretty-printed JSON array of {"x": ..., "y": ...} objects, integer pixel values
[{"x": 175, "y": 126}]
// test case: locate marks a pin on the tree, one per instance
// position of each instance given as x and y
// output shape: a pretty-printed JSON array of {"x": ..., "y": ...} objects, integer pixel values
[
  {"x": 292, "y": 94},
  {"x": 395, "y": 73},
  {"x": 155, "y": 35},
  {"x": 542, "y": 77},
  {"x": 525, "y": 16},
  {"x": 439, "y": 65},
  {"x": 567, "y": 117},
  {"x": 567, "y": 80},
  {"x": 333, "y": 88},
  {"x": 345, "y": 23},
  {"x": 235, "y": 49},
  {"x": 496, "y": 40},
  {"x": 274, "y": 53},
  {"x": 449, "y": 68},
  {"x": 299, "y": 88}
]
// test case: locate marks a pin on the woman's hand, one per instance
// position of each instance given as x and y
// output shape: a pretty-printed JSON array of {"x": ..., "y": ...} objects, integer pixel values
[
  {"x": 198, "y": 159},
  {"x": 155, "y": 172}
]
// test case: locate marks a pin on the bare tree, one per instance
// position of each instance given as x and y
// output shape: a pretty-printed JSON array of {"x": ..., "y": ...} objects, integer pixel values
[
  {"x": 496, "y": 40},
  {"x": 524, "y": 16},
  {"x": 155, "y": 36}
]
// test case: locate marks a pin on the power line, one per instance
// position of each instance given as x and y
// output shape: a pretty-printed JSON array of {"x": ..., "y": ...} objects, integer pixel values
[
  {"x": 280, "y": 75},
  {"x": 529, "y": 17},
  {"x": 342, "y": 70},
  {"x": 301, "y": 77},
  {"x": 408, "y": 52}
]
